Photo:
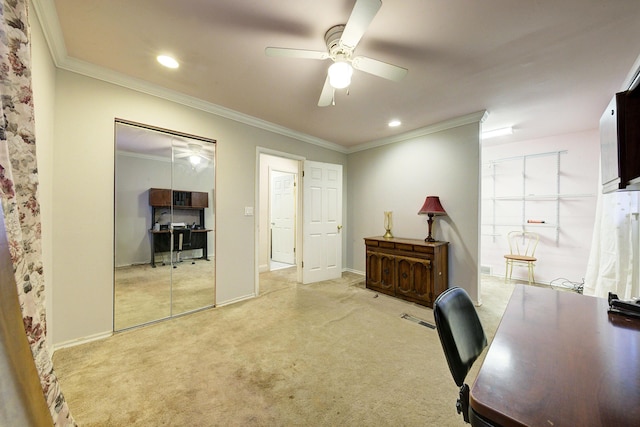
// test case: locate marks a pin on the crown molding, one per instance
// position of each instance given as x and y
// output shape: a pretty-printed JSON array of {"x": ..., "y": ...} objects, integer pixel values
[
  {"x": 109, "y": 76},
  {"x": 633, "y": 78},
  {"x": 477, "y": 117},
  {"x": 48, "y": 18}
]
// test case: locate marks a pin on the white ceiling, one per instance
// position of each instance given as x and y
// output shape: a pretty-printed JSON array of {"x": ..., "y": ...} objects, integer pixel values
[{"x": 545, "y": 67}]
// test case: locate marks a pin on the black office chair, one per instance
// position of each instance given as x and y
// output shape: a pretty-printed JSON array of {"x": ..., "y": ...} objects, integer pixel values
[{"x": 463, "y": 340}]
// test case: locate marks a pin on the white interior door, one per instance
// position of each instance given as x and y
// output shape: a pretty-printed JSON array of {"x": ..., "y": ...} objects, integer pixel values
[
  {"x": 322, "y": 222},
  {"x": 282, "y": 217}
]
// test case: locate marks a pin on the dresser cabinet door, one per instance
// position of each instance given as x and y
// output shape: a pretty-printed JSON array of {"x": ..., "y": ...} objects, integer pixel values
[
  {"x": 414, "y": 278},
  {"x": 380, "y": 272}
]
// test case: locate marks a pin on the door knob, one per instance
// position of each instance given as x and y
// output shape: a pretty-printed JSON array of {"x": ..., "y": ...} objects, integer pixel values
[{"x": 339, "y": 227}]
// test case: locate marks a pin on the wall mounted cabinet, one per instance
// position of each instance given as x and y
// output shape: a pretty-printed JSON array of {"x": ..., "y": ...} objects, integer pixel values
[
  {"x": 162, "y": 197},
  {"x": 620, "y": 143}
]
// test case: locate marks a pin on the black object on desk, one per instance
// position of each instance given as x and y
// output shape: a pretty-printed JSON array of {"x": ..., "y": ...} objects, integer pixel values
[{"x": 625, "y": 308}]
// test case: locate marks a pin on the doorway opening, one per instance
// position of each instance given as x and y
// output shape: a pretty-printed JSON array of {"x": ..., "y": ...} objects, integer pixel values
[{"x": 279, "y": 239}]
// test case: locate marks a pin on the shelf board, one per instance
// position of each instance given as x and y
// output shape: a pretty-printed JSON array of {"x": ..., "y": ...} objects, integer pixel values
[{"x": 538, "y": 197}]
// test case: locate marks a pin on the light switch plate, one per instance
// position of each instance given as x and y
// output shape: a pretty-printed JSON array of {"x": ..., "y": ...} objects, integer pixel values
[{"x": 248, "y": 211}]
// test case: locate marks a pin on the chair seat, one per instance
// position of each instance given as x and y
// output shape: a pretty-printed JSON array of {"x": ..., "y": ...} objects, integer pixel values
[
  {"x": 521, "y": 258},
  {"x": 522, "y": 249}
]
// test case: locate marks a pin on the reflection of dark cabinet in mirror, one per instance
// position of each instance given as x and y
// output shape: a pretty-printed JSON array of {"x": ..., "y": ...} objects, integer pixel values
[{"x": 161, "y": 198}]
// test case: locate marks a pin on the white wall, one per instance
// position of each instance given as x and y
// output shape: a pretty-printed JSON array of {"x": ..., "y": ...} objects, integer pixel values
[
  {"x": 76, "y": 156},
  {"x": 43, "y": 81},
  {"x": 135, "y": 175},
  {"x": 83, "y": 206},
  {"x": 398, "y": 178},
  {"x": 566, "y": 258}
]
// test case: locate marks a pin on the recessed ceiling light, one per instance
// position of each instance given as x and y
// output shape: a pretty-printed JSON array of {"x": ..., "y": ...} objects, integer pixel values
[
  {"x": 394, "y": 123},
  {"x": 496, "y": 132},
  {"x": 168, "y": 61}
]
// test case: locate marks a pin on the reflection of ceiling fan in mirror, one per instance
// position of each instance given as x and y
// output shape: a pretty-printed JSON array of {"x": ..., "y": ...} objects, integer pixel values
[
  {"x": 194, "y": 152},
  {"x": 341, "y": 41}
]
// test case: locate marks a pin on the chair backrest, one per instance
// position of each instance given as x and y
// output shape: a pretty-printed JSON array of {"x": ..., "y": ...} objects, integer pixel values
[
  {"x": 523, "y": 242},
  {"x": 461, "y": 333},
  {"x": 182, "y": 237}
]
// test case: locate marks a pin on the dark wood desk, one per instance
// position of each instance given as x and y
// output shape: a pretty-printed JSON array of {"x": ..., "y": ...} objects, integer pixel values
[
  {"x": 559, "y": 359},
  {"x": 161, "y": 242}
]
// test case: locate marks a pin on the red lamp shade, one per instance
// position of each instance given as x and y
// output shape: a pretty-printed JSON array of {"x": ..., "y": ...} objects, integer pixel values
[{"x": 431, "y": 207}]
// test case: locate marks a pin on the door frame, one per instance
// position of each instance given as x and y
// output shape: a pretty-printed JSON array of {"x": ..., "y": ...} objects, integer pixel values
[{"x": 257, "y": 217}]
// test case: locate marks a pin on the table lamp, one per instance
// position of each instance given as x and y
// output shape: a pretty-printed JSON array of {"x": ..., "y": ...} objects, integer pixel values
[{"x": 431, "y": 208}]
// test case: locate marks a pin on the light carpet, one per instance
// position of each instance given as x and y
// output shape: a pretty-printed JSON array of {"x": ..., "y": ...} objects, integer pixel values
[
  {"x": 144, "y": 294},
  {"x": 327, "y": 354}
]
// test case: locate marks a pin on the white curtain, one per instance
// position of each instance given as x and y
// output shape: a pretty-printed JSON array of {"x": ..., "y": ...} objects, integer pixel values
[{"x": 615, "y": 254}]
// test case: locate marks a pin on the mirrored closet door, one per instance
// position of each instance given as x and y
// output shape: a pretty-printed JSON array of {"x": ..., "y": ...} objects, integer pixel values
[{"x": 164, "y": 224}]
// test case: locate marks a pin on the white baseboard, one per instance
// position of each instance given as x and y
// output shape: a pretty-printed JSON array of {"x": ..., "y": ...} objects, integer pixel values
[
  {"x": 235, "y": 300},
  {"x": 83, "y": 340},
  {"x": 351, "y": 270},
  {"x": 486, "y": 269}
]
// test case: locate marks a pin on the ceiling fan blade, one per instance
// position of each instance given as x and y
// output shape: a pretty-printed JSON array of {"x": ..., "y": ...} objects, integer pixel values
[
  {"x": 326, "y": 97},
  {"x": 361, "y": 16},
  {"x": 295, "y": 53},
  {"x": 379, "y": 68}
]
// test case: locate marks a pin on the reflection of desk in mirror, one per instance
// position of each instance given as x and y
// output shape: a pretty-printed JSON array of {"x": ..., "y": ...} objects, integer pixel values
[
  {"x": 161, "y": 242},
  {"x": 185, "y": 206}
]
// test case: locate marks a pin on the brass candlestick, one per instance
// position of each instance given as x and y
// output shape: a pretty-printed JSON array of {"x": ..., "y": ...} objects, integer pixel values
[{"x": 388, "y": 223}]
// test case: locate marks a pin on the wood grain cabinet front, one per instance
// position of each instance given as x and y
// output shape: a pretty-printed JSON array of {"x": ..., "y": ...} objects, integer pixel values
[
  {"x": 410, "y": 269},
  {"x": 380, "y": 268}
]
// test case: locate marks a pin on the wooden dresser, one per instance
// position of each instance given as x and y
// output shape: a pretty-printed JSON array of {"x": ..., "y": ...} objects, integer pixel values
[{"x": 411, "y": 269}]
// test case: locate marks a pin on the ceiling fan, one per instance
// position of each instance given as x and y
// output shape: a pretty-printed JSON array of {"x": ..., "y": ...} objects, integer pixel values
[
  {"x": 341, "y": 41},
  {"x": 194, "y": 152}
]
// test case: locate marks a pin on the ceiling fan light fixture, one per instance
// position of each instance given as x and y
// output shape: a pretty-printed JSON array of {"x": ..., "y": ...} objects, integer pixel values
[
  {"x": 168, "y": 61},
  {"x": 194, "y": 159},
  {"x": 340, "y": 74}
]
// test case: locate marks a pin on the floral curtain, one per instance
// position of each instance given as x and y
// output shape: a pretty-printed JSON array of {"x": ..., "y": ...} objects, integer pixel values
[{"x": 19, "y": 193}]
